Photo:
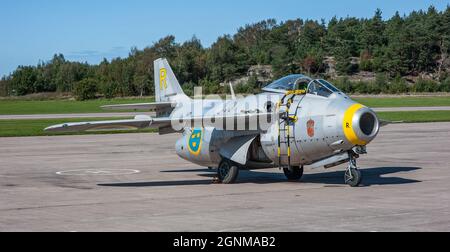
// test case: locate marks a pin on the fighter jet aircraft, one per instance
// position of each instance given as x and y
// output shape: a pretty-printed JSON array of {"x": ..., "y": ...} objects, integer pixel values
[{"x": 294, "y": 123}]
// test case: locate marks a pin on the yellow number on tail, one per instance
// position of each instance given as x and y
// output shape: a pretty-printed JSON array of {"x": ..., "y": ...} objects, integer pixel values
[{"x": 163, "y": 78}]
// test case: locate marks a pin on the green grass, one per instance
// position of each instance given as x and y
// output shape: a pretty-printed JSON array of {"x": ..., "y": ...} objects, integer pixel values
[
  {"x": 416, "y": 116},
  {"x": 16, "y": 128},
  {"x": 378, "y": 102},
  {"x": 23, "y": 107}
]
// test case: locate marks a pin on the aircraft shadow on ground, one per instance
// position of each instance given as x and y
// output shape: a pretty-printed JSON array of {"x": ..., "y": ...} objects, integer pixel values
[{"x": 372, "y": 176}]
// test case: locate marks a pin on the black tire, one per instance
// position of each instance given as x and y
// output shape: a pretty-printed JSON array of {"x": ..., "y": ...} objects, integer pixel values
[
  {"x": 227, "y": 172},
  {"x": 293, "y": 174},
  {"x": 353, "y": 180}
]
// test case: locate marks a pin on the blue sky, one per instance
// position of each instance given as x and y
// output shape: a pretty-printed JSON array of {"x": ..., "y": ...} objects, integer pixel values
[{"x": 89, "y": 30}]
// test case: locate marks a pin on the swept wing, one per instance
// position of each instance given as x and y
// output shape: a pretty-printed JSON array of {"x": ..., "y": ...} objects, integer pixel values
[
  {"x": 254, "y": 121},
  {"x": 140, "y": 106}
]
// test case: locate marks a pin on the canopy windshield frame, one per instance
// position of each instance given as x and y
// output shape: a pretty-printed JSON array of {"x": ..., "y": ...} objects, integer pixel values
[{"x": 289, "y": 83}]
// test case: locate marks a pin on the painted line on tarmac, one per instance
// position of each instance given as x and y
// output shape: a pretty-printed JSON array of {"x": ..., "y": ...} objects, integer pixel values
[{"x": 97, "y": 172}]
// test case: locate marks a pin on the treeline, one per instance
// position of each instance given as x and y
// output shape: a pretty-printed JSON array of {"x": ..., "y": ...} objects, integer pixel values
[
  {"x": 412, "y": 45},
  {"x": 382, "y": 84}
]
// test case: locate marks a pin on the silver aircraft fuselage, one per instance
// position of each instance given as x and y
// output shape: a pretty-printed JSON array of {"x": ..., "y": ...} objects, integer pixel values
[{"x": 320, "y": 130}]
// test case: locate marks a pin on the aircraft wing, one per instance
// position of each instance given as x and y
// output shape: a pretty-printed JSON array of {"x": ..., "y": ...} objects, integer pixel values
[
  {"x": 240, "y": 122},
  {"x": 139, "y": 106},
  {"x": 139, "y": 122}
]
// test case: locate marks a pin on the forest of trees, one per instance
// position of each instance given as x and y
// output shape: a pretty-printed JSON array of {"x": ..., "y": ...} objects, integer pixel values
[{"x": 417, "y": 44}]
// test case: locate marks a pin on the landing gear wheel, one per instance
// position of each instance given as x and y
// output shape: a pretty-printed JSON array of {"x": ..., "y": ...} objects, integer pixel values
[
  {"x": 353, "y": 176},
  {"x": 293, "y": 174},
  {"x": 227, "y": 172}
]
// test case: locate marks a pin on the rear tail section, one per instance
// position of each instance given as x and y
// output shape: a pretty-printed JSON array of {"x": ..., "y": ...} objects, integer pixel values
[{"x": 167, "y": 88}]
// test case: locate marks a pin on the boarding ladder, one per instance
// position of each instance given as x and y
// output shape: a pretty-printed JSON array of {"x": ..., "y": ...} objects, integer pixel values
[{"x": 285, "y": 122}]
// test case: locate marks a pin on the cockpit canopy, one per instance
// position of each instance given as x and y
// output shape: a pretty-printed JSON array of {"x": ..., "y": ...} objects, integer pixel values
[
  {"x": 288, "y": 83},
  {"x": 301, "y": 82}
]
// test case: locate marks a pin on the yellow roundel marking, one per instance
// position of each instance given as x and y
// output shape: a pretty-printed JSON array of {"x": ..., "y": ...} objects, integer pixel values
[
  {"x": 194, "y": 142},
  {"x": 348, "y": 125},
  {"x": 163, "y": 78}
]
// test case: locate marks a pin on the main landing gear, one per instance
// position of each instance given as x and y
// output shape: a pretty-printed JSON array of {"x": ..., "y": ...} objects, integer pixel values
[
  {"x": 294, "y": 173},
  {"x": 353, "y": 176},
  {"x": 227, "y": 172}
]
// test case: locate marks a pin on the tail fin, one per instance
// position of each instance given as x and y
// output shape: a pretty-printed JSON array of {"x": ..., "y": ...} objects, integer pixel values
[{"x": 167, "y": 88}]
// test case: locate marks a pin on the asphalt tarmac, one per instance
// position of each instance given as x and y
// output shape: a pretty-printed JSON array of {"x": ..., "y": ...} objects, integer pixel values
[{"x": 135, "y": 182}]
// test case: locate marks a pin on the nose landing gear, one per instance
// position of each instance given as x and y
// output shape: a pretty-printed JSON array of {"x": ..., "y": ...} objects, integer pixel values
[{"x": 353, "y": 176}]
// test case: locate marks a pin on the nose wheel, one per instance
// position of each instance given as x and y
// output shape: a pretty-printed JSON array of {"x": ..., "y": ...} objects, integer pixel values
[{"x": 353, "y": 176}]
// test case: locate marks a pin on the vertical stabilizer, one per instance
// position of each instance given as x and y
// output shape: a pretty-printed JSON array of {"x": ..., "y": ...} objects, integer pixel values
[{"x": 167, "y": 88}]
